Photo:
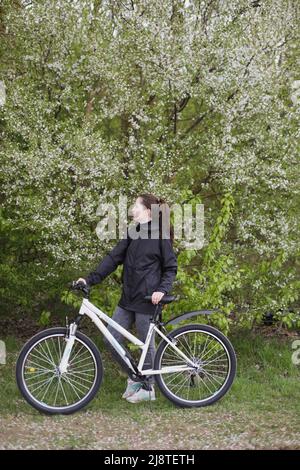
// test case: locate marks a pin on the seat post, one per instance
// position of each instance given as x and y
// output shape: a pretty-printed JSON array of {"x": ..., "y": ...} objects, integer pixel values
[
  {"x": 165, "y": 300},
  {"x": 157, "y": 312}
]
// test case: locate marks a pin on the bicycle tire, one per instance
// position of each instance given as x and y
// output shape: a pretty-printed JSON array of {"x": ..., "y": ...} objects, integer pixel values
[
  {"x": 32, "y": 345},
  {"x": 209, "y": 330}
]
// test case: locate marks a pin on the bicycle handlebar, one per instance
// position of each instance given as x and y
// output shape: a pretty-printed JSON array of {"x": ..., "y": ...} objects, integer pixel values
[
  {"x": 81, "y": 286},
  {"x": 166, "y": 299}
]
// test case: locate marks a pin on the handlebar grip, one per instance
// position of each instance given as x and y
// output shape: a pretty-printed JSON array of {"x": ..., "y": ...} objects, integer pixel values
[
  {"x": 80, "y": 286},
  {"x": 166, "y": 299}
]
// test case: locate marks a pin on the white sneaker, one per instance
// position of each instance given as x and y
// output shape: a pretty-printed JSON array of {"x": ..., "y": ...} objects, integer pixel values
[
  {"x": 132, "y": 387},
  {"x": 142, "y": 395}
]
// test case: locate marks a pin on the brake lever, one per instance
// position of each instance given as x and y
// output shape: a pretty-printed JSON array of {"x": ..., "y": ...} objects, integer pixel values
[
  {"x": 86, "y": 290},
  {"x": 80, "y": 286},
  {"x": 77, "y": 285}
]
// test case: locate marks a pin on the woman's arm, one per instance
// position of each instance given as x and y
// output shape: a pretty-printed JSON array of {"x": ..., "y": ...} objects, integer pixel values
[
  {"x": 169, "y": 266},
  {"x": 109, "y": 263}
]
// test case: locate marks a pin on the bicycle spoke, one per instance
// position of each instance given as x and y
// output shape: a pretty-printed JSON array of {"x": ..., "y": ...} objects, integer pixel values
[
  {"x": 74, "y": 357},
  {"x": 63, "y": 391},
  {"x": 34, "y": 375},
  {"x": 73, "y": 386},
  {"x": 45, "y": 352},
  {"x": 213, "y": 377},
  {"x": 42, "y": 359},
  {"x": 36, "y": 365},
  {"x": 215, "y": 360},
  {"x": 77, "y": 376},
  {"x": 78, "y": 362}
]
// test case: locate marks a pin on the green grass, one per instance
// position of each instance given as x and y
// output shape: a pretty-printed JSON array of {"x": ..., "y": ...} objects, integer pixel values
[{"x": 261, "y": 410}]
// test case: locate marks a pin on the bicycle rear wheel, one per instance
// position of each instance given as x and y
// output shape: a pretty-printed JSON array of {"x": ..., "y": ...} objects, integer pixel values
[
  {"x": 216, "y": 366},
  {"x": 40, "y": 381}
]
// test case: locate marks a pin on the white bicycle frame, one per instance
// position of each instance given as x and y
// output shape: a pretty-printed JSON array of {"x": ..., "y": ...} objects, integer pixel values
[{"x": 96, "y": 315}]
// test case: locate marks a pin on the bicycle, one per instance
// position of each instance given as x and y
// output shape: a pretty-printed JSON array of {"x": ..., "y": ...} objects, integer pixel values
[{"x": 59, "y": 370}]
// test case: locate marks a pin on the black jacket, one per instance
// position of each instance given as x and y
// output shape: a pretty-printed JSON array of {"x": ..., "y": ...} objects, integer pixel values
[{"x": 149, "y": 265}]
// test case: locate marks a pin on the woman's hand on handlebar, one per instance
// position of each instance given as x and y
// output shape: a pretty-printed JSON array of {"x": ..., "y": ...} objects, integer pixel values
[
  {"x": 156, "y": 297},
  {"x": 81, "y": 285}
]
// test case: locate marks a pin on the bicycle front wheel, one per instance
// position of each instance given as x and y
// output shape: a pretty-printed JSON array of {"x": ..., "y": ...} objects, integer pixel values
[
  {"x": 214, "y": 356},
  {"x": 42, "y": 384}
]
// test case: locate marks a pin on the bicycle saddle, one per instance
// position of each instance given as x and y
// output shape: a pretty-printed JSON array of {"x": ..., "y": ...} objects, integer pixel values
[{"x": 165, "y": 300}]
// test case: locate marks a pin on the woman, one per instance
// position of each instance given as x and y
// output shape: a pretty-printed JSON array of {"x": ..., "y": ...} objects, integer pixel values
[{"x": 149, "y": 268}]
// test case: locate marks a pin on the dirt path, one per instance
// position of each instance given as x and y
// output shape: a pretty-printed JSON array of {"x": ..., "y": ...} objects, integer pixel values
[{"x": 188, "y": 429}]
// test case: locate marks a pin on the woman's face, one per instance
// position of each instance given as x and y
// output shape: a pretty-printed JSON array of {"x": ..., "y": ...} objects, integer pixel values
[{"x": 139, "y": 212}]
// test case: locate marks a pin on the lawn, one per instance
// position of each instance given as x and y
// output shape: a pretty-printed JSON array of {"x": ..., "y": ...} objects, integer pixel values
[{"x": 261, "y": 410}]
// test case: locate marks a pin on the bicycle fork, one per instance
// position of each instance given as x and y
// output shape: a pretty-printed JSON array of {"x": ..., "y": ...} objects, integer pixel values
[{"x": 63, "y": 365}]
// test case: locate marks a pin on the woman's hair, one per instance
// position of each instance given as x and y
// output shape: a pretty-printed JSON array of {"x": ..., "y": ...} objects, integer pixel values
[{"x": 164, "y": 211}]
